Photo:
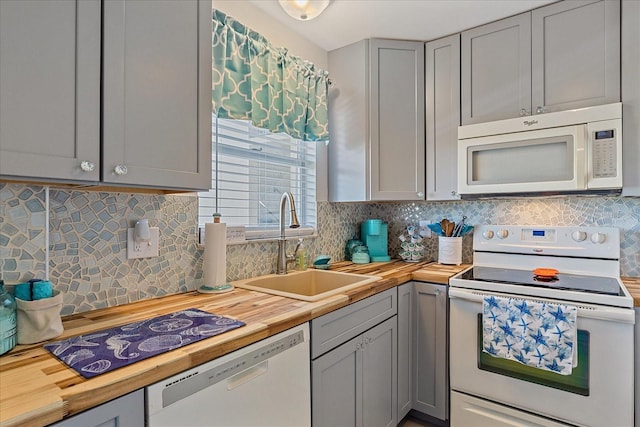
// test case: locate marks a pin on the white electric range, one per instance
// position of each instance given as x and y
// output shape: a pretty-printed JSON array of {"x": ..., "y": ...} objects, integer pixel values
[{"x": 486, "y": 391}]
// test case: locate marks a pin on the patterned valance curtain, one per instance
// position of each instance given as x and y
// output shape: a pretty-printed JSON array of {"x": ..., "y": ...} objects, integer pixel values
[{"x": 253, "y": 80}]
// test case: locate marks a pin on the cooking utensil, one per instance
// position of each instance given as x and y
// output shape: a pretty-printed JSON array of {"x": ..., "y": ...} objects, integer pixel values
[
  {"x": 457, "y": 231},
  {"x": 445, "y": 226},
  {"x": 450, "y": 227},
  {"x": 436, "y": 228}
]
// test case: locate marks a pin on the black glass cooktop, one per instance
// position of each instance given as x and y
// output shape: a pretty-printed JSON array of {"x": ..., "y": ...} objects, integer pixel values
[{"x": 569, "y": 282}]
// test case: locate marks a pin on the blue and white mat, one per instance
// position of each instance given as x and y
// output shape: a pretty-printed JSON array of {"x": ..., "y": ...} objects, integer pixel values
[
  {"x": 537, "y": 334},
  {"x": 103, "y": 351}
]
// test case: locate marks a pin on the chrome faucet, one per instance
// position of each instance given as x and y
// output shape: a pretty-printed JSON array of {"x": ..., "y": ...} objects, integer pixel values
[{"x": 283, "y": 258}]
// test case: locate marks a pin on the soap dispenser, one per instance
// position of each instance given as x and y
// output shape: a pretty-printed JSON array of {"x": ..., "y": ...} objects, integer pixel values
[{"x": 301, "y": 256}]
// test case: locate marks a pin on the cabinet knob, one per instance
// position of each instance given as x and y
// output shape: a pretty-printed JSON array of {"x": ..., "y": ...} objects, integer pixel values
[
  {"x": 420, "y": 195},
  {"x": 87, "y": 166},
  {"x": 437, "y": 292},
  {"x": 120, "y": 170},
  {"x": 524, "y": 112},
  {"x": 540, "y": 110},
  {"x": 453, "y": 193}
]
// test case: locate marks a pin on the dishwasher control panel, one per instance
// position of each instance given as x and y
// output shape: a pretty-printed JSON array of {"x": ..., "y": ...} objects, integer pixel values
[{"x": 180, "y": 386}]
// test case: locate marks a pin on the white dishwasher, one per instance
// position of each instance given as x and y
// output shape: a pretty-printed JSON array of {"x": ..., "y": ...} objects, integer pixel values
[{"x": 264, "y": 384}]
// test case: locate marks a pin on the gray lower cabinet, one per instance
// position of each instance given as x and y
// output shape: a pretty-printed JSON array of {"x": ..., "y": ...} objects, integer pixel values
[
  {"x": 631, "y": 100},
  {"x": 354, "y": 384},
  {"x": 442, "y": 70},
  {"x": 405, "y": 349},
  {"x": 50, "y": 89},
  {"x": 354, "y": 378},
  {"x": 156, "y": 97},
  {"x": 562, "y": 56},
  {"x": 151, "y": 126},
  {"x": 376, "y": 119},
  {"x": 430, "y": 365},
  {"x": 125, "y": 411}
]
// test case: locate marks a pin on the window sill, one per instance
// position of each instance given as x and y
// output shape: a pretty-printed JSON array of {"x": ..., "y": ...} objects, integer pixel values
[{"x": 242, "y": 236}]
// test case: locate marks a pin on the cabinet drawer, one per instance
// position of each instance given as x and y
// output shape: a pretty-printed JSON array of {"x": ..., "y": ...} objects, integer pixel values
[{"x": 335, "y": 328}]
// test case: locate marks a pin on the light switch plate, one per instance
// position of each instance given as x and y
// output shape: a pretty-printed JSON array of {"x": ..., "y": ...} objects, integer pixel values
[
  {"x": 425, "y": 224},
  {"x": 143, "y": 250}
]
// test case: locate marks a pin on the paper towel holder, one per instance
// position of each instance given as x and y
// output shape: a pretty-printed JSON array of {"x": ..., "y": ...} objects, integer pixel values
[{"x": 216, "y": 288}]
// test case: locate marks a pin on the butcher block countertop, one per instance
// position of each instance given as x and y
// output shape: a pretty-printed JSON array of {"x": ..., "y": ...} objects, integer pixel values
[
  {"x": 633, "y": 286},
  {"x": 36, "y": 389}
]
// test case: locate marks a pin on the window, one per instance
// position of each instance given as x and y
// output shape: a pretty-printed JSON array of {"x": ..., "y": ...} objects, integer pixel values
[{"x": 251, "y": 169}]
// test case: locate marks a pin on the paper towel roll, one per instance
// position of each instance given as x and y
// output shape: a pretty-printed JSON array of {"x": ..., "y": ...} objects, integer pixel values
[{"x": 215, "y": 254}]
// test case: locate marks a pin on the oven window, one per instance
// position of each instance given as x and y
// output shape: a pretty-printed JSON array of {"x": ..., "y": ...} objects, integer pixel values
[
  {"x": 534, "y": 160},
  {"x": 577, "y": 382}
]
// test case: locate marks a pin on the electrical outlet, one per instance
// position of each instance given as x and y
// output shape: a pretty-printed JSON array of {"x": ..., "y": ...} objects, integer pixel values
[
  {"x": 149, "y": 249},
  {"x": 425, "y": 225}
]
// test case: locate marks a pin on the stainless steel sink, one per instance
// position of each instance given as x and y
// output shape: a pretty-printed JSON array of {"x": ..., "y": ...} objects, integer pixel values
[{"x": 308, "y": 285}]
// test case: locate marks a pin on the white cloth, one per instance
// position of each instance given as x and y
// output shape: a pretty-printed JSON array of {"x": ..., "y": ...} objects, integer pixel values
[{"x": 537, "y": 334}]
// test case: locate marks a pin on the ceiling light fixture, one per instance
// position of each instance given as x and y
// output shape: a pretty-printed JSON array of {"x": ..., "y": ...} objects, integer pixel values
[{"x": 304, "y": 10}]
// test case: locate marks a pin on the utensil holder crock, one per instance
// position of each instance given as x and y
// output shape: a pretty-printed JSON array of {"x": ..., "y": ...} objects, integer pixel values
[{"x": 450, "y": 250}]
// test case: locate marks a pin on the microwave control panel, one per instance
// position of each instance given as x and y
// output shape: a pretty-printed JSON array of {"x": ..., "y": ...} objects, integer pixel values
[{"x": 604, "y": 153}]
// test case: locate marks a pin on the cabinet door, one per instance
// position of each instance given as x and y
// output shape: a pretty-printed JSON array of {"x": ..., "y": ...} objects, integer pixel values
[
  {"x": 348, "y": 152},
  {"x": 336, "y": 385},
  {"x": 443, "y": 117},
  {"x": 379, "y": 376},
  {"x": 156, "y": 97},
  {"x": 126, "y": 411},
  {"x": 396, "y": 120},
  {"x": 50, "y": 89},
  {"x": 631, "y": 102},
  {"x": 430, "y": 350},
  {"x": 496, "y": 70},
  {"x": 405, "y": 344},
  {"x": 575, "y": 55}
]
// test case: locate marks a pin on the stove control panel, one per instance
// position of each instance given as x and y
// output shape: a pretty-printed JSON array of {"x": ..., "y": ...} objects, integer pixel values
[{"x": 590, "y": 242}]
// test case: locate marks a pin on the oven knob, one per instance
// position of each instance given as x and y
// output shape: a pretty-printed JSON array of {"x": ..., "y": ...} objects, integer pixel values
[
  {"x": 502, "y": 234},
  {"x": 579, "y": 236},
  {"x": 487, "y": 234},
  {"x": 598, "y": 237}
]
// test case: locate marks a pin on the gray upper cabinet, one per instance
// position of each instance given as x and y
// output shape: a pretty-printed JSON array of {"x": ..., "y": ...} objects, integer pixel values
[
  {"x": 156, "y": 97},
  {"x": 575, "y": 55},
  {"x": 156, "y": 83},
  {"x": 562, "y": 56},
  {"x": 442, "y": 69},
  {"x": 376, "y": 118},
  {"x": 496, "y": 70},
  {"x": 631, "y": 99},
  {"x": 50, "y": 90}
]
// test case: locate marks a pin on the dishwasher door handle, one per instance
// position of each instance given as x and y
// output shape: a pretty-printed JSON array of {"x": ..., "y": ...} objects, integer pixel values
[{"x": 248, "y": 375}]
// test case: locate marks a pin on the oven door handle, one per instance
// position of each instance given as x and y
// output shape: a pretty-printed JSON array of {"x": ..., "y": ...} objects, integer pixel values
[{"x": 599, "y": 312}]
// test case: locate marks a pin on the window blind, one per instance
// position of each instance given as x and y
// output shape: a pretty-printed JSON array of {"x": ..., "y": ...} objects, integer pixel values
[{"x": 251, "y": 168}]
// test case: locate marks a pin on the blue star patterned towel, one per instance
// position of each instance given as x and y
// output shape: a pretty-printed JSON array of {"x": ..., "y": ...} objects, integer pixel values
[{"x": 537, "y": 334}]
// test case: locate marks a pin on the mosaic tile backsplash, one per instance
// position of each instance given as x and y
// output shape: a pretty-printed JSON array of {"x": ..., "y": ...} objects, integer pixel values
[{"x": 87, "y": 258}]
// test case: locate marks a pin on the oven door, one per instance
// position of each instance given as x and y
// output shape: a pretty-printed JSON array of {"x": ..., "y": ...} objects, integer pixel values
[
  {"x": 532, "y": 161},
  {"x": 599, "y": 392}
]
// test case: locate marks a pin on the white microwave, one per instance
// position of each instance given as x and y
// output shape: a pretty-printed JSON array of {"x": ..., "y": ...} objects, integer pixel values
[{"x": 566, "y": 152}]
